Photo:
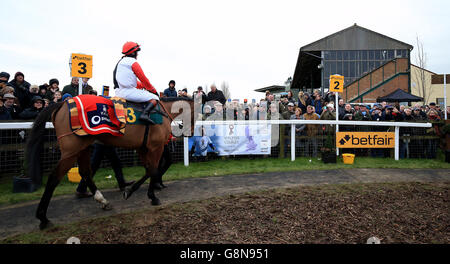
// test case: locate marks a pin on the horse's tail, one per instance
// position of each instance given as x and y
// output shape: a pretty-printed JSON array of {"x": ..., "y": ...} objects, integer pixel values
[{"x": 36, "y": 141}]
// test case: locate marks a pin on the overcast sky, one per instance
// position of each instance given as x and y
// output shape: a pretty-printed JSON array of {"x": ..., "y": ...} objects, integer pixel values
[{"x": 248, "y": 44}]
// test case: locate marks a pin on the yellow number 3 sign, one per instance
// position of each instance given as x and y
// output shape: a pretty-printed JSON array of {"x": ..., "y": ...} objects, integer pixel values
[
  {"x": 81, "y": 65},
  {"x": 337, "y": 83},
  {"x": 131, "y": 116}
]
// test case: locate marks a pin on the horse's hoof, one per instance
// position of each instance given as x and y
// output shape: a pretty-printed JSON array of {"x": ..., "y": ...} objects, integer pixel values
[
  {"x": 107, "y": 207},
  {"x": 126, "y": 194},
  {"x": 164, "y": 186},
  {"x": 156, "y": 201},
  {"x": 45, "y": 224}
]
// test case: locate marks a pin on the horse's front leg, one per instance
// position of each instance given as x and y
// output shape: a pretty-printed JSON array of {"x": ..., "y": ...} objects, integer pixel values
[{"x": 154, "y": 179}]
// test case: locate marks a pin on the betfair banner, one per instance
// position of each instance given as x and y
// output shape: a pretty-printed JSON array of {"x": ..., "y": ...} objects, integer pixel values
[{"x": 365, "y": 140}]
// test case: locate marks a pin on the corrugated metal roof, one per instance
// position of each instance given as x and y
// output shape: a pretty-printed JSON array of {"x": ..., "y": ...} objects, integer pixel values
[
  {"x": 356, "y": 38},
  {"x": 271, "y": 88}
]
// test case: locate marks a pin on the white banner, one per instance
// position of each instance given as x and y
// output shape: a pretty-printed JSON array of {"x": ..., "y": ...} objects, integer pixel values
[{"x": 231, "y": 139}]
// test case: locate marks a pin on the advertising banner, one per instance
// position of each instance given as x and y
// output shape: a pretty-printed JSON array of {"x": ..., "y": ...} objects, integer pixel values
[
  {"x": 365, "y": 140},
  {"x": 231, "y": 140}
]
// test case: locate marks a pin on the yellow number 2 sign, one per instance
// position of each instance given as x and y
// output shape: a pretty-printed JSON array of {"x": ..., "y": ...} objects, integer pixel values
[
  {"x": 336, "y": 83},
  {"x": 81, "y": 65}
]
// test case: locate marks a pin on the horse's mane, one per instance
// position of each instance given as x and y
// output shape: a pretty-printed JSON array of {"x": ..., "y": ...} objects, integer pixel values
[{"x": 175, "y": 99}]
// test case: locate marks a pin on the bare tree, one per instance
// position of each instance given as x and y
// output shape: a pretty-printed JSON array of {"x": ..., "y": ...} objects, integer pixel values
[
  {"x": 421, "y": 80},
  {"x": 225, "y": 90}
]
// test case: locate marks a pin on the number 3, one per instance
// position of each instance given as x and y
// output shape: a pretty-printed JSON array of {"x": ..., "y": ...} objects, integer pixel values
[
  {"x": 83, "y": 68},
  {"x": 131, "y": 117}
]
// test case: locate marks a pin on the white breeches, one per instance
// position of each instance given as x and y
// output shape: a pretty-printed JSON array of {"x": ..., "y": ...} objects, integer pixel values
[{"x": 135, "y": 95}]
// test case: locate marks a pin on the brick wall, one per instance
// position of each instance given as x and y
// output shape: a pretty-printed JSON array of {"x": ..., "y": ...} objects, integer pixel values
[{"x": 378, "y": 76}]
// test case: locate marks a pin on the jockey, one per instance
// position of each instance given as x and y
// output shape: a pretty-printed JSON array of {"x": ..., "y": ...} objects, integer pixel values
[{"x": 127, "y": 85}]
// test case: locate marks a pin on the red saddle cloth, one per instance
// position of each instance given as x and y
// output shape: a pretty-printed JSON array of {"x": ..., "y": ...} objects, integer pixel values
[{"x": 96, "y": 115}]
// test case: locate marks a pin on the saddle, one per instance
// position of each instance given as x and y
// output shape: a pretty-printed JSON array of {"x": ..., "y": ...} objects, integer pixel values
[{"x": 94, "y": 115}]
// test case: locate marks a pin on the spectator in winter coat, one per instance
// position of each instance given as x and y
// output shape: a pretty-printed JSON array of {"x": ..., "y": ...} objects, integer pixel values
[
  {"x": 33, "y": 111},
  {"x": 4, "y": 77},
  {"x": 290, "y": 97},
  {"x": 200, "y": 94},
  {"x": 171, "y": 91},
  {"x": 73, "y": 88},
  {"x": 34, "y": 90},
  {"x": 298, "y": 116},
  {"x": 347, "y": 111},
  {"x": 311, "y": 131},
  {"x": 10, "y": 105},
  {"x": 302, "y": 101},
  {"x": 21, "y": 90},
  {"x": 318, "y": 104},
  {"x": 216, "y": 95},
  {"x": 54, "y": 86},
  {"x": 289, "y": 111},
  {"x": 4, "y": 113}
]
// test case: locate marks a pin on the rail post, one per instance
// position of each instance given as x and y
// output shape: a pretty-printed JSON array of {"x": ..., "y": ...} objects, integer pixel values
[
  {"x": 397, "y": 142},
  {"x": 292, "y": 142},
  {"x": 186, "y": 151}
]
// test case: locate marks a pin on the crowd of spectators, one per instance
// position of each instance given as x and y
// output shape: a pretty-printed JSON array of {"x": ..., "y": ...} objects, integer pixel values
[
  {"x": 20, "y": 100},
  {"x": 317, "y": 107}
]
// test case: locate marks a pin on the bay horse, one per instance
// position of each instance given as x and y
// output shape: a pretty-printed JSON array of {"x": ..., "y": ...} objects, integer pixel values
[{"x": 76, "y": 149}]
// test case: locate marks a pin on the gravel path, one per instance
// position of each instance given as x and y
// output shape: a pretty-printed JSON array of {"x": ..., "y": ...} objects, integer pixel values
[{"x": 20, "y": 218}]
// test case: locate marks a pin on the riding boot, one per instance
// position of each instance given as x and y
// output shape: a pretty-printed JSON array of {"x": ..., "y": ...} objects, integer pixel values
[{"x": 145, "y": 116}]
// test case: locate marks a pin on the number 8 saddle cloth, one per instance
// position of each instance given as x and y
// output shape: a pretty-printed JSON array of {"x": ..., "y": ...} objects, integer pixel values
[{"x": 94, "y": 115}]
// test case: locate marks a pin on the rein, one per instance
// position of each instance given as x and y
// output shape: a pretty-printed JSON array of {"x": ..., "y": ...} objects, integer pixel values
[{"x": 165, "y": 110}]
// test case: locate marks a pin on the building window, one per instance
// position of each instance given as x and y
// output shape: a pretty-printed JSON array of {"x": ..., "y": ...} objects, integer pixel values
[
  {"x": 390, "y": 54},
  {"x": 363, "y": 55},
  {"x": 440, "y": 101},
  {"x": 332, "y": 55},
  {"x": 345, "y": 55}
]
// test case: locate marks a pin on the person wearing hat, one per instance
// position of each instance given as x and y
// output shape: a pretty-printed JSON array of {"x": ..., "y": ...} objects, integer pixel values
[
  {"x": 433, "y": 106},
  {"x": 21, "y": 90},
  {"x": 33, "y": 111},
  {"x": 289, "y": 111},
  {"x": 65, "y": 96},
  {"x": 4, "y": 113},
  {"x": 10, "y": 105},
  {"x": 131, "y": 83},
  {"x": 34, "y": 90},
  {"x": 184, "y": 93},
  {"x": 4, "y": 77},
  {"x": 171, "y": 91},
  {"x": 377, "y": 114},
  {"x": 53, "y": 87},
  {"x": 363, "y": 114},
  {"x": 219, "y": 113}
]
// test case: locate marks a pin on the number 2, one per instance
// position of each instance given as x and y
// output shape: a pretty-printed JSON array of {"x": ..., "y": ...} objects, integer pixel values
[{"x": 337, "y": 85}]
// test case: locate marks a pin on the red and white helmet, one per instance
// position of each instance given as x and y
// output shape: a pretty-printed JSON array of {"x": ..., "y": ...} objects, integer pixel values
[{"x": 130, "y": 47}]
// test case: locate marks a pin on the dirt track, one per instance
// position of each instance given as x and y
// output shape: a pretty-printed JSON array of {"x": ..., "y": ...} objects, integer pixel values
[{"x": 66, "y": 209}]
